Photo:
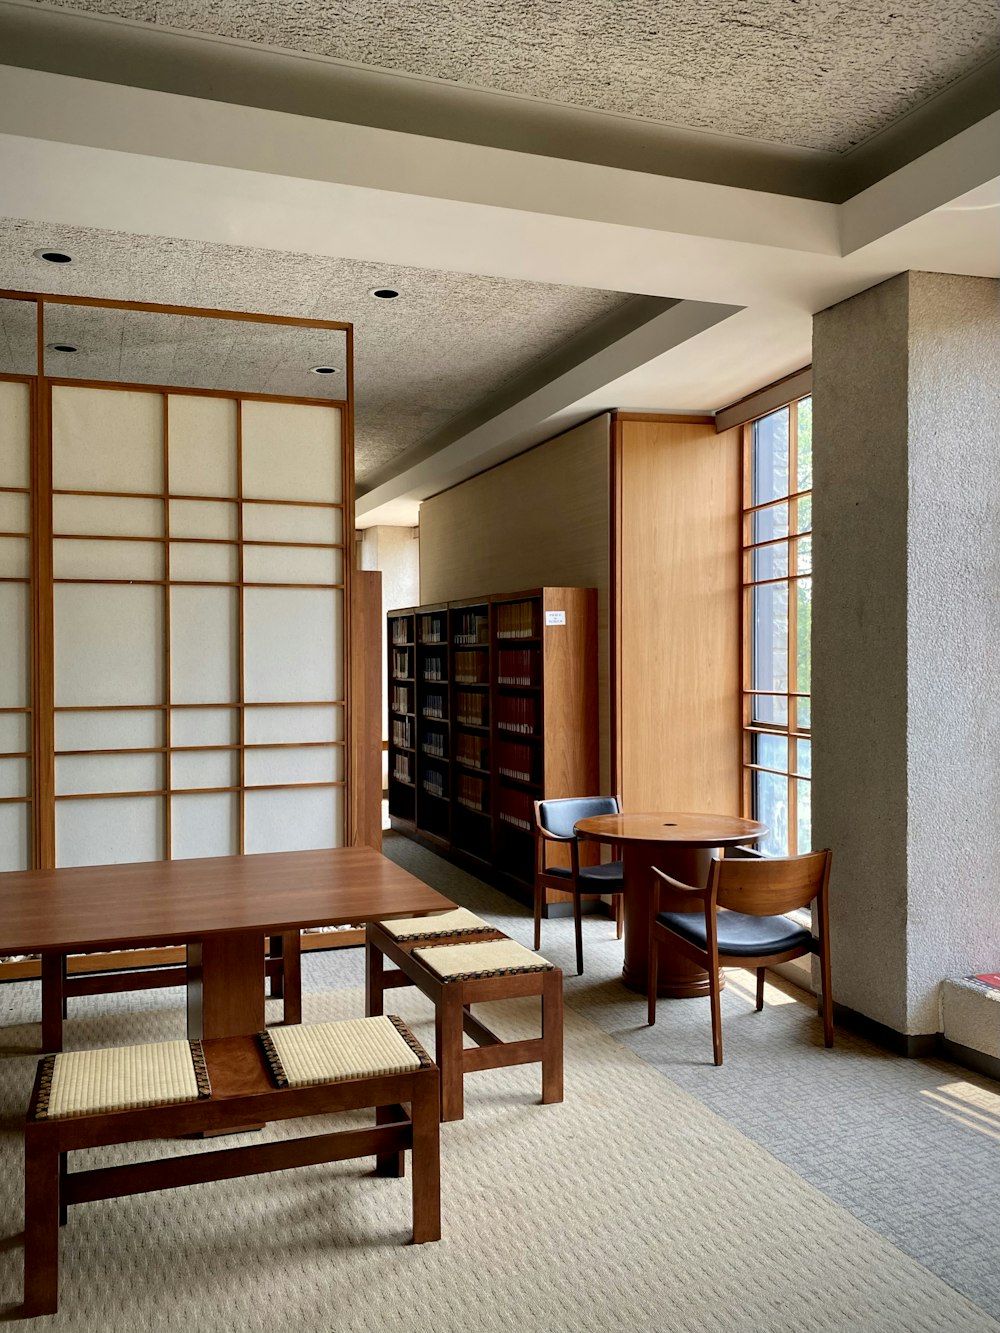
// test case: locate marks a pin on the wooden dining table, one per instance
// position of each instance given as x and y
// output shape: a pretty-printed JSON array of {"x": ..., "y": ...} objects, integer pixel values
[
  {"x": 681, "y": 845},
  {"x": 223, "y": 907}
]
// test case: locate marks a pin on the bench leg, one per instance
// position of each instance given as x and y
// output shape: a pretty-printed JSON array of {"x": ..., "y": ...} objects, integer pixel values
[
  {"x": 374, "y": 973},
  {"x": 390, "y": 1163},
  {"x": 291, "y": 976},
  {"x": 552, "y": 1037},
  {"x": 448, "y": 1029},
  {"x": 41, "y": 1225},
  {"x": 53, "y": 999},
  {"x": 425, "y": 1110}
]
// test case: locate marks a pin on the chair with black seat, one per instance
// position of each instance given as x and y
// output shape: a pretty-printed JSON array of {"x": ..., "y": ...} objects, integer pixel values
[
  {"x": 555, "y": 822},
  {"x": 751, "y": 930}
]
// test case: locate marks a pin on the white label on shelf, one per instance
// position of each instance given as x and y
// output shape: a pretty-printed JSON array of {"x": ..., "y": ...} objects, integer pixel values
[{"x": 555, "y": 617}]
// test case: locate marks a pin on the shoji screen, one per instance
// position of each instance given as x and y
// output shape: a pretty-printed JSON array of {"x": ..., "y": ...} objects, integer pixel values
[
  {"x": 199, "y": 634},
  {"x": 15, "y": 625}
]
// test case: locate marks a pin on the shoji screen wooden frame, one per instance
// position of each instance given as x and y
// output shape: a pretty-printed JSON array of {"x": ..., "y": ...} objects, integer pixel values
[{"x": 45, "y": 579}]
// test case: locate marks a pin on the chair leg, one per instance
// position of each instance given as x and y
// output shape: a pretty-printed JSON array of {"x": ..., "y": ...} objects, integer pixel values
[
  {"x": 538, "y": 915},
  {"x": 654, "y": 955},
  {"x": 619, "y": 914},
  {"x": 827, "y": 992},
  {"x": 578, "y": 923},
  {"x": 713, "y": 982},
  {"x": 760, "y": 989},
  {"x": 552, "y": 1037}
]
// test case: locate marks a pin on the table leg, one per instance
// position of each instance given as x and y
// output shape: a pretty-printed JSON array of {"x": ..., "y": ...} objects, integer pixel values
[
  {"x": 53, "y": 999},
  {"x": 677, "y": 976},
  {"x": 225, "y": 990}
]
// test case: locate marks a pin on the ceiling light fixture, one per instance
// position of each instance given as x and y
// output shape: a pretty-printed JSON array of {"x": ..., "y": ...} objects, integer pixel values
[
  {"x": 385, "y": 293},
  {"x": 322, "y": 370},
  {"x": 53, "y": 256},
  {"x": 61, "y": 347}
]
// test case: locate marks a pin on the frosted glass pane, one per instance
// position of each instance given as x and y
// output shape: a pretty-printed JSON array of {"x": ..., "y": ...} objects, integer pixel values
[
  {"x": 291, "y": 821},
  {"x": 15, "y": 434},
  {"x": 96, "y": 559},
  {"x": 291, "y": 451},
  {"x": 15, "y": 558},
  {"x": 294, "y": 724},
  {"x": 15, "y": 777},
  {"x": 201, "y": 438},
  {"x": 15, "y": 513},
  {"x": 80, "y": 773},
  {"x": 205, "y": 825},
  {"x": 204, "y": 726},
  {"x": 313, "y": 764},
  {"x": 14, "y": 733},
  {"x": 204, "y": 645},
  {"x": 94, "y": 833},
  {"x": 108, "y": 644},
  {"x": 293, "y": 639},
  {"x": 292, "y": 523},
  {"x": 111, "y": 730},
  {"x": 15, "y": 605},
  {"x": 203, "y": 518},
  {"x": 107, "y": 440},
  {"x": 107, "y": 516},
  {"x": 292, "y": 564},
  {"x": 15, "y": 837},
  {"x": 204, "y": 562},
  {"x": 204, "y": 768}
]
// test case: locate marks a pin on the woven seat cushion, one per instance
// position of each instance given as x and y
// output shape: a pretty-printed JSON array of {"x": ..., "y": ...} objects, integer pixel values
[
  {"x": 489, "y": 958},
  {"x": 740, "y": 935},
  {"x": 122, "y": 1078},
  {"x": 308, "y": 1053},
  {"x": 459, "y": 922},
  {"x": 608, "y": 878}
]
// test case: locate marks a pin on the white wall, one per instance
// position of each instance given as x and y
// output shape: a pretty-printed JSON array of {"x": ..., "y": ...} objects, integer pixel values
[{"x": 396, "y": 553}]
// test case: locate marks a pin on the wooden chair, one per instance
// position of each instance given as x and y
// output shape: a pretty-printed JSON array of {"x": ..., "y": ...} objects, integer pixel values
[
  {"x": 751, "y": 931},
  {"x": 554, "y": 823}
]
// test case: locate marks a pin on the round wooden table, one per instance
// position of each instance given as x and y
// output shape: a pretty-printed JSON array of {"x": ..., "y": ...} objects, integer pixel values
[{"x": 682, "y": 846}]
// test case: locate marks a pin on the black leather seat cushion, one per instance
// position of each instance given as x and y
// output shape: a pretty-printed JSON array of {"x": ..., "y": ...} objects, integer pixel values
[
  {"x": 608, "y": 878},
  {"x": 742, "y": 936}
]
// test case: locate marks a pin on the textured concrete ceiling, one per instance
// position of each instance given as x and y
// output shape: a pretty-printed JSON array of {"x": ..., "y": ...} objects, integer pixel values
[
  {"x": 824, "y": 74},
  {"x": 449, "y": 341}
]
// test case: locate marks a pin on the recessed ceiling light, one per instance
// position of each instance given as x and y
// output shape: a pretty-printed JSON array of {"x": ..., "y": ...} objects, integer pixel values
[
  {"x": 322, "y": 370},
  {"x": 385, "y": 293},
  {"x": 61, "y": 347},
  {"x": 54, "y": 256}
]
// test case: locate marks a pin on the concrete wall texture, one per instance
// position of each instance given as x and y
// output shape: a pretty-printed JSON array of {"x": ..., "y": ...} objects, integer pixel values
[{"x": 906, "y": 638}]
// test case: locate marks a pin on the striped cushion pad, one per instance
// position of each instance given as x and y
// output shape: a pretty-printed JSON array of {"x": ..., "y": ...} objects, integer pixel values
[
  {"x": 490, "y": 958},
  {"x": 308, "y": 1053},
  {"x": 121, "y": 1078},
  {"x": 459, "y": 922}
]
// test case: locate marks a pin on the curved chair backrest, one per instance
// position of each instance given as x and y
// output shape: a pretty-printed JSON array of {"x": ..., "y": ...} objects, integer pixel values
[
  {"x": 772, "y": 885},
  {"x": 559, "y": 817}
]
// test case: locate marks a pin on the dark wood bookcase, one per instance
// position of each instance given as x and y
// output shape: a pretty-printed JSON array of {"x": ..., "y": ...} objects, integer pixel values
[{"x": 493, "y": 704}]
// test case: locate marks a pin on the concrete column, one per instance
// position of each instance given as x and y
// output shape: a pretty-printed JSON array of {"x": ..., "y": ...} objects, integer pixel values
[{"x": 906, "y": 639}]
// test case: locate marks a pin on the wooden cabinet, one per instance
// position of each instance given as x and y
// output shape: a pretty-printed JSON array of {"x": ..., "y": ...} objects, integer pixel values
[{"x": 493, "y": 705}]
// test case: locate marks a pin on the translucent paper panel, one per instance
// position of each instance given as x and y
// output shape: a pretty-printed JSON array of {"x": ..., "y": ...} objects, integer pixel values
[
  {"x": 109, "y": 730},
  {"x": 79, "y": 773},
  {"x": 201, "y": 435},
  {"x": 292, "y": 523},
  {"x": 15, "y": 638},
  {"x": 15, "y": 433},
  {"x": 107, "y": 516},
  {"x": 15, "y": 512},
  {"x": 278, "y": 766},
  {"x": 291, "y": 451},
  {"x": 206, "y": 825},
  {"x": 204, "y": 518},
  {"x": 15, "y": 837},
  {"x": 292, "y": 564},
  {"x": 204, "y": 768},
  {"x": 204, "y": 562},
  {"x": 15, "y": 733},
  {"x": 96, "y": 559},
  {"x": 294, "y": 724},
  {"x": 293, "y": 644},
  {"x": 15, "y": 558},
  {"x": 15, "y": 777},
  {"x": 93, "y": 833},
  {"x": 107, "y": 440},
  {"x": 204, "y": 645},
  {"x": 204, "y": 726},
  {"x": 108, "y": 644},
  {"x": 290, "y": 821}
]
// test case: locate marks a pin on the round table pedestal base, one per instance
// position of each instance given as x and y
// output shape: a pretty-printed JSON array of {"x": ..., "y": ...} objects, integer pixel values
[{"x": 670, "y": 986}]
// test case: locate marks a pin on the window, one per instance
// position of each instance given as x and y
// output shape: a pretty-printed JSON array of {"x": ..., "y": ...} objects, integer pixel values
[{"x": 777, "y": 624}]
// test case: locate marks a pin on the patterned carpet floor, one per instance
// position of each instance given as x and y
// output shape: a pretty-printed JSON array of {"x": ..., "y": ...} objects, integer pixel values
[{"x": 793, "y": 1189}]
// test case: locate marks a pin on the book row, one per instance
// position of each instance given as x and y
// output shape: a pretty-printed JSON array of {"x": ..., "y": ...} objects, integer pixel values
[
  {"x": 516, "y": 620},
  {"x": 519, "y": 666},
  {"x": 520, "y": 715}
]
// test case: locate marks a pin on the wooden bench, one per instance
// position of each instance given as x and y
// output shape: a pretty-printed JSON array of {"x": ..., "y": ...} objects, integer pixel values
[
  {"x": 91, "y": 1099},
  {"x": 454, "y": 981}
]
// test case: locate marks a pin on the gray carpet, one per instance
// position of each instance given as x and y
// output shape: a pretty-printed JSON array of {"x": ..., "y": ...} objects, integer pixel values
[{"x": 794, "y": 1188}]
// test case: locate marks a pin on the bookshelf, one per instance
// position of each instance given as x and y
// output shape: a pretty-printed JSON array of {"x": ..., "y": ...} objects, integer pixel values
[{"x": 504, "y": 708}]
